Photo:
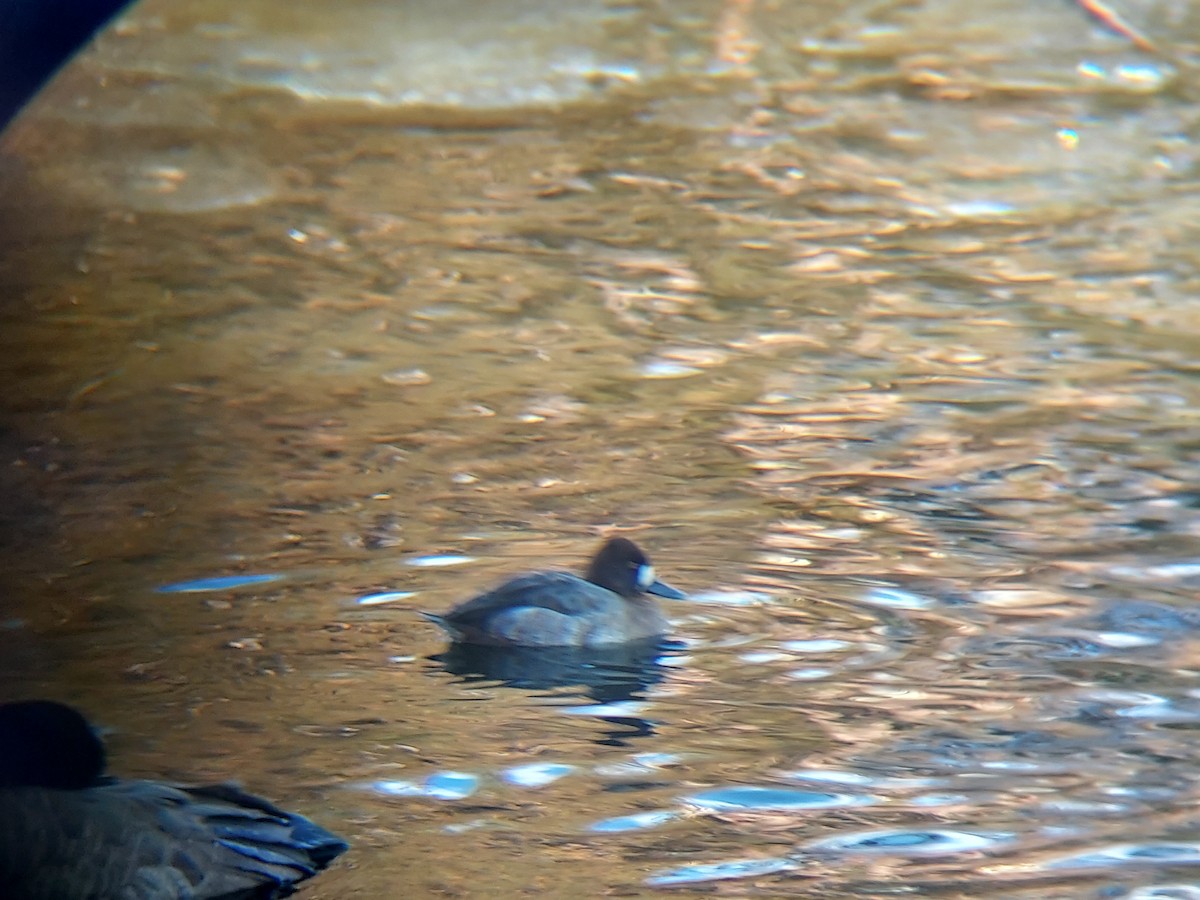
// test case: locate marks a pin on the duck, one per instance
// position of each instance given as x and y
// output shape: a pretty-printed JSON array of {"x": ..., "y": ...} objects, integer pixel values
[
  {"x": 69, "y": 830},
  {"x": 608, "y": 606}
]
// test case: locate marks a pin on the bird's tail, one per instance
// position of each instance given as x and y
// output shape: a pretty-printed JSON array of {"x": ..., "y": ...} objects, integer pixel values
[{"x": 440, "y": 622}]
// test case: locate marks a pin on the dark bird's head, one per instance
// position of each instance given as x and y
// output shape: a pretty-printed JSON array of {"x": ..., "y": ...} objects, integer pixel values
[
  {"x": 48, "y": 744},
  {"x": 622, "y": 567}
]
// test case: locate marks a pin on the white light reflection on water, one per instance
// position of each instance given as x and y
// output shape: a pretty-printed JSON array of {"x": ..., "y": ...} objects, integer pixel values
[{"x": 910, "y": 843}]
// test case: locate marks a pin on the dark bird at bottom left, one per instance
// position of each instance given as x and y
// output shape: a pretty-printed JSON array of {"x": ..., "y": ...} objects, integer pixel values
[{"x": 67, "y": 830}]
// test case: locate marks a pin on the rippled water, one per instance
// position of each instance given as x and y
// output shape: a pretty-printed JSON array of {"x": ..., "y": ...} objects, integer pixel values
[{"x": 875, "y": 323}]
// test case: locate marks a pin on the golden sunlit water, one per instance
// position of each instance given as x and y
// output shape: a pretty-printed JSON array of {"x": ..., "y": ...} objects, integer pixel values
[{"x": 875, "y": 323}]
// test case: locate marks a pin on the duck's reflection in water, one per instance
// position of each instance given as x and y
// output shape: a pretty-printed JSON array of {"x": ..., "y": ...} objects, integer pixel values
[{"x": 614, "y": 679}]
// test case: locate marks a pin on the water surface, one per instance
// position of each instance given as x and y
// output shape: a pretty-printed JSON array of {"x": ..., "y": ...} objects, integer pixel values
[{"x": 875, "y": 323}]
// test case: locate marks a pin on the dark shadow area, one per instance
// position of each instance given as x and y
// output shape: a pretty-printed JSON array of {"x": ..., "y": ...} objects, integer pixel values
[
  {"x": 609, "y": 675},
  {"x": 38, "y": 36}
]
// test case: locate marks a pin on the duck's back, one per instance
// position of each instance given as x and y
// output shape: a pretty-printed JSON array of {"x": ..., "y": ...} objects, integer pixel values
[
  {"x": 142, "y": 840},
  {"x": 552, "y": 609}
]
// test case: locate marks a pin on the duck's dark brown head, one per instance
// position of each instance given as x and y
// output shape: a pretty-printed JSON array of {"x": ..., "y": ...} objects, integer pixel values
[{"x": 621, "y": 567}]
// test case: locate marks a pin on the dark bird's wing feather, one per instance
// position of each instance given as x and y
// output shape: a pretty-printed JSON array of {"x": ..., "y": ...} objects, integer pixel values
[
  {"x": 142, "y": 840},
  {"x": 559, "y": 592},
  {"x": 538, "y": 608}
]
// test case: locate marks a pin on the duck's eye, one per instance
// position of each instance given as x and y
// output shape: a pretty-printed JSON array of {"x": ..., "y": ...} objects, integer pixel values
[{"x": 645, "y": 576}]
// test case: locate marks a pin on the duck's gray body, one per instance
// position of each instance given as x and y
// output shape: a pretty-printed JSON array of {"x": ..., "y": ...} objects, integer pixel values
[
  {"x": 553, "y": 609},
  {"x": 559, "y": 609}
]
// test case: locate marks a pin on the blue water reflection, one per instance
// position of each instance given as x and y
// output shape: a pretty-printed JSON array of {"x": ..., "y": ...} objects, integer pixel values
[
  {"x": 220, "y": 583},
  {"x": 703, "y": 872},
  {"x": 751, "y": 797},
  {"x": 437, "y": 786}
]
